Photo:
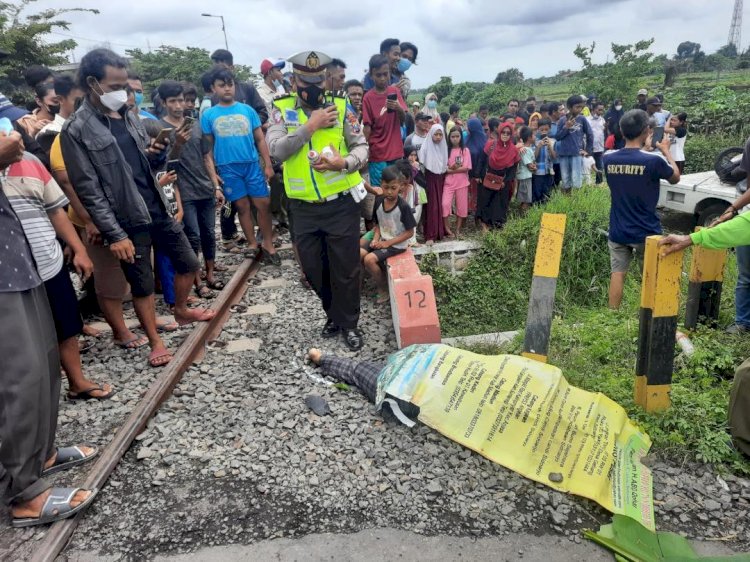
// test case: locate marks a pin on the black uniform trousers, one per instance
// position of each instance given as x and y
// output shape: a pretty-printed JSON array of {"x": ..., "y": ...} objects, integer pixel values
[{"x": 327, "y": 238}]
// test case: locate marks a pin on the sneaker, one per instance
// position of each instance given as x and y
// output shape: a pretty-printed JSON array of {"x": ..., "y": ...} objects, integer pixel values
[
  {"x": 330, "y": 329},
  {"x": 737, "y": 329},
  {"x": 354, "y": 339}
]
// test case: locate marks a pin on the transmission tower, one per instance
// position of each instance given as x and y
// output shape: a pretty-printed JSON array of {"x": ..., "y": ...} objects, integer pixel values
[{"x": 735, "y": 30}]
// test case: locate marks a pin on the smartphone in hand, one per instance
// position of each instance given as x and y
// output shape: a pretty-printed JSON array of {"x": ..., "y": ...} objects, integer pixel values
[
  {"x": 657, "y": 136},
  {"x": 392, "y": 97}
]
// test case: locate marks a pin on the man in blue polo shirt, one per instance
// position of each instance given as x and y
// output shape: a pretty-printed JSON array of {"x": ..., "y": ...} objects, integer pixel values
[{"x": 633, "y": 176}]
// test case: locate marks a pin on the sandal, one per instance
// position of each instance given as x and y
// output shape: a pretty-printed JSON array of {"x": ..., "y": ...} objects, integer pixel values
[
  {"x": 252, "y": 253},
  {"x": 85, "y": 345},
  {"x": 86, "y": 394},
  {"x": 204, "y": 292},
  {"x": 68, "y": 457},
  {"x": 132, "y": 344},
  {"x": 272, "y": 259},
  {"x": 57, "y": 507},
  {"x": 166, "y": 326},
  {"x": 216, "y": 285},
  {"x": 155, "y": 358}
]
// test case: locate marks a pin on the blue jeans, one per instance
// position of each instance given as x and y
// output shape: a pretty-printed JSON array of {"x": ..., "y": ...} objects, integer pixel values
[
  {"x": 571, "y": 171},
  {"x": 200, "y": 223},
  {"x": 742, "y": 291},
  {"x": 165, "y": 269}
]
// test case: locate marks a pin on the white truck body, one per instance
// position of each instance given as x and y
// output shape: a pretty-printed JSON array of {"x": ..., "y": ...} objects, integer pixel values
[{"x": 702, "y": 195}]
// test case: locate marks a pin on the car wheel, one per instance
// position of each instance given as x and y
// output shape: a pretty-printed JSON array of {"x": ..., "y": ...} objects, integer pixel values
[{"x": 711, "y": 213}]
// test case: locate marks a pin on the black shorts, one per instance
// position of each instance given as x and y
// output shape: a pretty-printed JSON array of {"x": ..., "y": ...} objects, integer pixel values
[
  {"x": 64, "y": 305},
  {"x": 384, "y": 253},
  {"x": 168, "y": 238}
]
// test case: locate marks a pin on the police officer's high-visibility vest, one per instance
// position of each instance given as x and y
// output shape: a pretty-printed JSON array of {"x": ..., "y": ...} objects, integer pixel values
[{"x": 301, "y": 181}]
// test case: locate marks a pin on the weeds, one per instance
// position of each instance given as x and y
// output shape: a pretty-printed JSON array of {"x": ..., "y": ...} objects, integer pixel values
[{"x": 595, "y": 347}]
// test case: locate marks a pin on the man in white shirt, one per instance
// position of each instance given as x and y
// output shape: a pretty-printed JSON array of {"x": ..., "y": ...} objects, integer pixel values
[
  {"x": 597, "y": 122},
  {"x": 272, "y": 85}
]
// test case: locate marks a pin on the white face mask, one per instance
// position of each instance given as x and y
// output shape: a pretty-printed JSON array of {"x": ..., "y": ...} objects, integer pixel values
[
  {"x": 112, "y": 100},
  {"x": 618, "y": 107}
]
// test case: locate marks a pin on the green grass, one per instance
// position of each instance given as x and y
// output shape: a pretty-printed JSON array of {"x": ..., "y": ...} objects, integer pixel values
[{"x": 594, "y": 346}]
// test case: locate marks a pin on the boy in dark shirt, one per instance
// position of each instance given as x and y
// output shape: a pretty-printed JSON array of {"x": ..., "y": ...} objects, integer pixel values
[
  {"x": 633, "y": 177},
  {"x": 394, "y": 226}
]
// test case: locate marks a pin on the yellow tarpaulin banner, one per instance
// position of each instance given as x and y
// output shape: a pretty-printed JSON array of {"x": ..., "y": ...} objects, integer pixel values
[{"x": 525, "y": 416}]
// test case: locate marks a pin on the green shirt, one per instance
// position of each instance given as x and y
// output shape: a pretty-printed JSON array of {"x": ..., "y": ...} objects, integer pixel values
[{"x": 734, "y": 232}]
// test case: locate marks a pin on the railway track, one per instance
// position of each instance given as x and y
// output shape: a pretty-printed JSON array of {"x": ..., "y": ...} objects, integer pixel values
[{"x": 192, "y": 350}]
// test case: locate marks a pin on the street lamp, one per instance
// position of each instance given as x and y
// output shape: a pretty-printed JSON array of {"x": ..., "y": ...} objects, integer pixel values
[{"x": 223, "y": 27}]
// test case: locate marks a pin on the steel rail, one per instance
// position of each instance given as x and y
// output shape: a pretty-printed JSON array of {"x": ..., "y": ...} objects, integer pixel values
[{"x": 191, "y": 350}]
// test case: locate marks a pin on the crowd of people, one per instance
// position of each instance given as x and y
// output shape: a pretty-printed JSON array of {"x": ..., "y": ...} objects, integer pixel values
[{"x": 127, "y": 193}]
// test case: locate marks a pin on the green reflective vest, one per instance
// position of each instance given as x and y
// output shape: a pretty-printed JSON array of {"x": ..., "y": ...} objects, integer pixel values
[{"x": 301, "y": 181}]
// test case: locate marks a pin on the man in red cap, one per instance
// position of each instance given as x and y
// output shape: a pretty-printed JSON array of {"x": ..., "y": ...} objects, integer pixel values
[{"x": 273, "y": 81}]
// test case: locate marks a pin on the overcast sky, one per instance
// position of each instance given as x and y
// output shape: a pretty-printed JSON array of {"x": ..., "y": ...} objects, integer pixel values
[{"x": 470, "y": 40}]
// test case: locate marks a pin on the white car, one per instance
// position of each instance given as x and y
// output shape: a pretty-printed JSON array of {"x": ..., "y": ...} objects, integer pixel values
[{"x": 702, "y": 195}]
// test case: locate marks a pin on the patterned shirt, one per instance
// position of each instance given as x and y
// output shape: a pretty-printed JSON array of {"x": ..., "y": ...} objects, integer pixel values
[
  {"x": 33, "y": 193},
  {"x": 17, "y": 268}
]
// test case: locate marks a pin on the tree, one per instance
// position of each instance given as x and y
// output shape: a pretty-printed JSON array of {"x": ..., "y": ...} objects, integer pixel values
[
  {"x": 729, "y": 50},
  {"x": 25, "y": 38},
  {"x": 688, "y": 50},
  {"x": 443, "y": 88},
  {"x": 617, "y": 79},
  {"x": 173, "y": 63},
  {"x": 510, "y": 77}
]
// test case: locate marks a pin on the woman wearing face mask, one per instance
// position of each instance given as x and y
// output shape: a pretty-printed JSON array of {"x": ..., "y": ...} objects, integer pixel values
[
  {"x": 47, "y": 103},
  {"x": 613, "y": 116},
  {"x": 408, "y": 58},
  {"x": 430, "y": 107}
]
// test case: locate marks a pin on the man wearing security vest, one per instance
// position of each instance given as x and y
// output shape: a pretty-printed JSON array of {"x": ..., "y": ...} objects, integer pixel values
[{"x": 322, "y": 147}]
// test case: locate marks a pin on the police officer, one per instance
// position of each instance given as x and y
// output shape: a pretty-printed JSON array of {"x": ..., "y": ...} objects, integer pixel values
[{"x": 322, "y": 147}]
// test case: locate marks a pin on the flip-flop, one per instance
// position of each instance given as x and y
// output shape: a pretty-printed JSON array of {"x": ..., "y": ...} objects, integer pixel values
[
  {"x": 204, "y": 292},
  {"x": 220, "y": 267},
  {"x": 57, "y": 507},
  {"x": 68, "y": 457},
  {"x": 85, "y": 345},
  {"x": 215, "y": 285},
  {"x": 133, "y": 343},
  {"x": 86, "y": 394},
  {"x": 154, "y": 355},
  {"x": 201, "y": 318},
  {"x": 167, "y": 326}
]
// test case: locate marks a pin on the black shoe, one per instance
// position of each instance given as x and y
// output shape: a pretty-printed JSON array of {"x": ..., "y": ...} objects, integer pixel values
[
  {"x": 354, "y": 339},
  {"x": 330, "y": 329}
]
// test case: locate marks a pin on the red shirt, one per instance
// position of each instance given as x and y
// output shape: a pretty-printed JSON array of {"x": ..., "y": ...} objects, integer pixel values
[{"x": 385, "y": 128}]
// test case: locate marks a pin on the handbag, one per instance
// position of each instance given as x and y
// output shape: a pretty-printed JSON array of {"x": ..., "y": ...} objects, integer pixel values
[
  {"x": 493, "y": 182},
  {"x": 422, "y": 195}
]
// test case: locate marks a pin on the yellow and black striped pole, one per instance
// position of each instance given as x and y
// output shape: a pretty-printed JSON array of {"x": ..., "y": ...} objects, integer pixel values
[
  {"x": 660, "y": 299},
  {"x": 704, "y": 288},
  {"x": 543, "y": 287}
]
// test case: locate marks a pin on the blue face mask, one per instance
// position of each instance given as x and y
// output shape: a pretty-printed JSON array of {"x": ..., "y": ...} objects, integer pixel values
[
  {"x": 404, "y": 65},
  {"x": 138, "y": 98},
  {"x": 432, "y": 104}
]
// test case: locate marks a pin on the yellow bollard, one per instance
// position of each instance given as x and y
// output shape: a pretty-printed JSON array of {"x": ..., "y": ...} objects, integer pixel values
[{"x": 660, "y": 299}]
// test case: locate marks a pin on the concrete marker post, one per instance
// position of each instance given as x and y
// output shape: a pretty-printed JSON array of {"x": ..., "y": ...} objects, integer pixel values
[{"x": 543, "y": 287}]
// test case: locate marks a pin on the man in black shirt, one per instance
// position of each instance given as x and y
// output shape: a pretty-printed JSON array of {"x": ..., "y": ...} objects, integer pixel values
[{"x": 108, "y": 156}]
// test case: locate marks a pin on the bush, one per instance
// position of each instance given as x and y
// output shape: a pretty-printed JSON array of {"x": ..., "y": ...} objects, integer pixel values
[
  {"x": 493, "y": 293},
  {"x": 701, "y": 150}
]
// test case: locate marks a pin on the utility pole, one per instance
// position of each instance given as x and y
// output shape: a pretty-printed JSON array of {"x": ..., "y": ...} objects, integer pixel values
[{"x": 223, "y": 28}]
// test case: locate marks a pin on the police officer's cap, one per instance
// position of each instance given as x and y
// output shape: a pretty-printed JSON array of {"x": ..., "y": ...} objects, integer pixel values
[{"x": 310, "y": 66}]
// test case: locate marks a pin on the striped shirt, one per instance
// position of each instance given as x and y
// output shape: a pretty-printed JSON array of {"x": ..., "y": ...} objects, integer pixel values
[{"x": 33, "y": 193}]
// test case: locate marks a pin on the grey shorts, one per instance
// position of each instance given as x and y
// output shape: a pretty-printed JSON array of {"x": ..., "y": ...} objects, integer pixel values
[
  {"x": 620, "y": 255},
  {"x": 524, "y": 191}
]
